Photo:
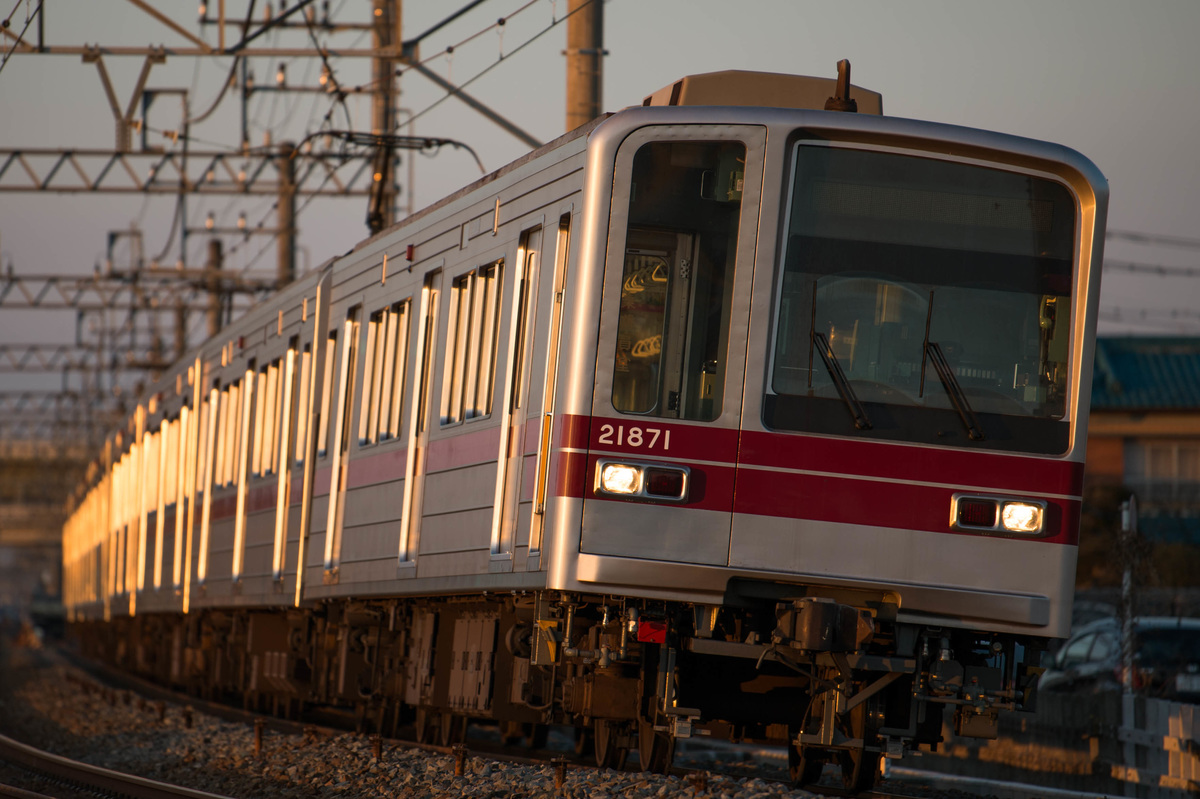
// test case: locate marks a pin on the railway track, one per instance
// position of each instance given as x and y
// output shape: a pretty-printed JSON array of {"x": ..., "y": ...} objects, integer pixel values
[
  {"x": 78, "y": 776},
  {"x": 481, "y": 764}
]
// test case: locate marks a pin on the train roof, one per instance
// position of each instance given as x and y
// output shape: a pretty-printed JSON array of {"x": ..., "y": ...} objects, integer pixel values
[{"x": 735, "y": 87}]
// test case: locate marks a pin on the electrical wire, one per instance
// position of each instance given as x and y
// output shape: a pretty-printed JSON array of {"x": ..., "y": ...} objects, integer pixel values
[
  {"x": 499, "y": 23},
  {"x": 340, "y": 94},
  {"x": 354, "y": 138},
  {"x": 1154, "y": 269},
  {"x": 1153, "y": 238},
  {"x": 232, "y": 71},
  {"x": 1147, "y": 314},
  {"x": 450, "y": 49},
  {"x": 20, "y": 36},
  {"x": 499, "y": 61}
]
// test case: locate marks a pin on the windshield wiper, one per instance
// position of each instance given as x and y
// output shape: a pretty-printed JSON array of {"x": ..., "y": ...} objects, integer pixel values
[
  {"x": 954, "y": 390},
  {"x": 841, "y": 383},
  {"x": 845, "y": 391},
  {"x": 931, "y": 351}
]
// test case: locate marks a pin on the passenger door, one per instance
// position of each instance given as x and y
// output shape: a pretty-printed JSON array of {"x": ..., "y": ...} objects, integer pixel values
[
  {"x": 670, "y": 371},
  {"x": 510, "y": 473}
]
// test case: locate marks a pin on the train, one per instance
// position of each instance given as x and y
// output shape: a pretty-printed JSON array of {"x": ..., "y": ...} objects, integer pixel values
[{"x": 749, "y": 412}]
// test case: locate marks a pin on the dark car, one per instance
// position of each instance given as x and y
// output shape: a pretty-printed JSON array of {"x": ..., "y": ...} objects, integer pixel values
[{"x": 1166, "y": 659}]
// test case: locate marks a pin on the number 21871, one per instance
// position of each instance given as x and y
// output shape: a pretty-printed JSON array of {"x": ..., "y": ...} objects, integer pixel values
[{"x": 648, "y": 437}]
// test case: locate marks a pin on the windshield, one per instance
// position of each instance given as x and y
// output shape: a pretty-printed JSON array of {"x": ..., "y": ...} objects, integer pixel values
[{"x": 923, "y": 300}]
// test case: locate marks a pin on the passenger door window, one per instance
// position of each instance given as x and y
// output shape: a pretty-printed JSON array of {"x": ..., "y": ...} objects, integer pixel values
[{"x": 677, "y": 282}]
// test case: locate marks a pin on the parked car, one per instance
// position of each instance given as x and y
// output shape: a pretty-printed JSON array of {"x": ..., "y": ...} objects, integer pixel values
[{"x": 1166, "y": 659}]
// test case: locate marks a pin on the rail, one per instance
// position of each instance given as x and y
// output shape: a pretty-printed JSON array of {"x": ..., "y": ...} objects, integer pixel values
[{"x": 94, "y": 778}]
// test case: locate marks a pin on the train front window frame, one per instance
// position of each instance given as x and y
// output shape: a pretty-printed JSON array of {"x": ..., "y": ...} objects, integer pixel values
[{"x": 923, "y": 299}]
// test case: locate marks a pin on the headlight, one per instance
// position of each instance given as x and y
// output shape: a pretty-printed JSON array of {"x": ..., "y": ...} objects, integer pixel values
[
  {"x": 997, "y": 515},
  {"x": 647, "y": 482},
  {"x": 1021, "y": 517},
  {"x": 620, "y": 478}
]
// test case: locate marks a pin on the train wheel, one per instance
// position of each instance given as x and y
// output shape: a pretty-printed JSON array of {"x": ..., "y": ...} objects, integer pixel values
[
  {"x": 585, "y": 741},
  {"x": 537, "y": 735},
  {"x": 453, "y": 729},
  {"x": 804, "y": 765},
  {"x": 859, "y": 766},
  {"x": 606, "y": 738},
  {"x": 424, "y": 725},
  {"x": 859, "y": 769},
  {"x": 512, "y": 733},
  {"x": 656, "y": 750}
]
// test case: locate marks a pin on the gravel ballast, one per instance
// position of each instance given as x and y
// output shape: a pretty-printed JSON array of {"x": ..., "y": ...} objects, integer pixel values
[{"x": 54, "y": 707}]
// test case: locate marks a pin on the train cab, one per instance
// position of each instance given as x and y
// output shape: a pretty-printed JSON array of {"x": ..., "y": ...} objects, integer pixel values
[{"x": 841, "y": 371}]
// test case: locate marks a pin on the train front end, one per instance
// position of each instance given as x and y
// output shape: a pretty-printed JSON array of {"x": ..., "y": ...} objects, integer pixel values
[{"x": 824, "y": 410}]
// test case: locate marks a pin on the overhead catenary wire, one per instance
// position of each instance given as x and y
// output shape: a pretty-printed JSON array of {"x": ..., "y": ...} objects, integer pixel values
[
  {"x": 339, "y": 93},
  {"x": 1154, "y": 239},
  {"x": 449, "y": 50},
  {"x": 1146, "y": 314},
  {"x": 1176, "y": 322},
  {"x": 555, "y": 23},
  {"x": 20, "y": 36},
  {"x": 356, "y": 138},
  {"x": 1153, "y": 269},
  {"x": 232, "y": 71}
]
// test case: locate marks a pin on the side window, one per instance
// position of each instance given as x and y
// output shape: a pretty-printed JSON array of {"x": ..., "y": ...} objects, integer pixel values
[
  {"x": 272, "y": 403},
  {"x": 677, "y": 282},
  {"x": 261, "y": 429},
  {"x": 171, "y": 485},
  {"x": 232, "y": 432},
  {"x": 302, "y": 399},
  {"x": 222, "y": 430},
  {"x": 471, "y": 344},
  {"x": 383, "y": 374},
  {"x": 326, "y": 395}
]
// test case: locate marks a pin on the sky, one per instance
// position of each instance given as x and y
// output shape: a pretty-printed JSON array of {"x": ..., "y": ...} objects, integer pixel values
[{"x": 1113, "y": 80}]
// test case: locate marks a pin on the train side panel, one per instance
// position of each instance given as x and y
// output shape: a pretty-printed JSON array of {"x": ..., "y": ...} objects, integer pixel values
[{"x": 483, "y": 290}]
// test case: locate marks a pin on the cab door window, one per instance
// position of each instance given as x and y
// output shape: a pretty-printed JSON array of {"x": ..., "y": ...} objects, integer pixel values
[{"x": 677, "y": 282}]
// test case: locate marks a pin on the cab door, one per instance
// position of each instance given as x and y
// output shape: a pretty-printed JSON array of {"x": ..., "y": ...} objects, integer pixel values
[{"x": 663, "y": 439}]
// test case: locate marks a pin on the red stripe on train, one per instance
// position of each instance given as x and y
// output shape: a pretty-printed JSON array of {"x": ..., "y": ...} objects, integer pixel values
[
  {"x": 892, "y": 496},
  {"x": 875, "y": 503},
  {"x": 995, "y": 472},
  {"x": 1012, "y": 473}
]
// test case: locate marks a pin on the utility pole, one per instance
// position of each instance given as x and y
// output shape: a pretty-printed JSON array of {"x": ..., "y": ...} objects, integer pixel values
[
  {"x": 585, "y": 65},
  {"x": 287, "y": 215},
  {"x": 216, "y": 258},
  {"x": 1128, "y": 549},
  {"x": 388, "y": 43}
]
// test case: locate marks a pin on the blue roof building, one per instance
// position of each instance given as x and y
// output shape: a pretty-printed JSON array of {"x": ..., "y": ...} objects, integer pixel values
[
  {"x": 1144, "y": 430},
  {"x": 1147, "y": 374}
]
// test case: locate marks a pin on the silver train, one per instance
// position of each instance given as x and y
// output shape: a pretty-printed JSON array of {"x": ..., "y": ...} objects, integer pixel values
[{"x": 723, "y": 416}]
